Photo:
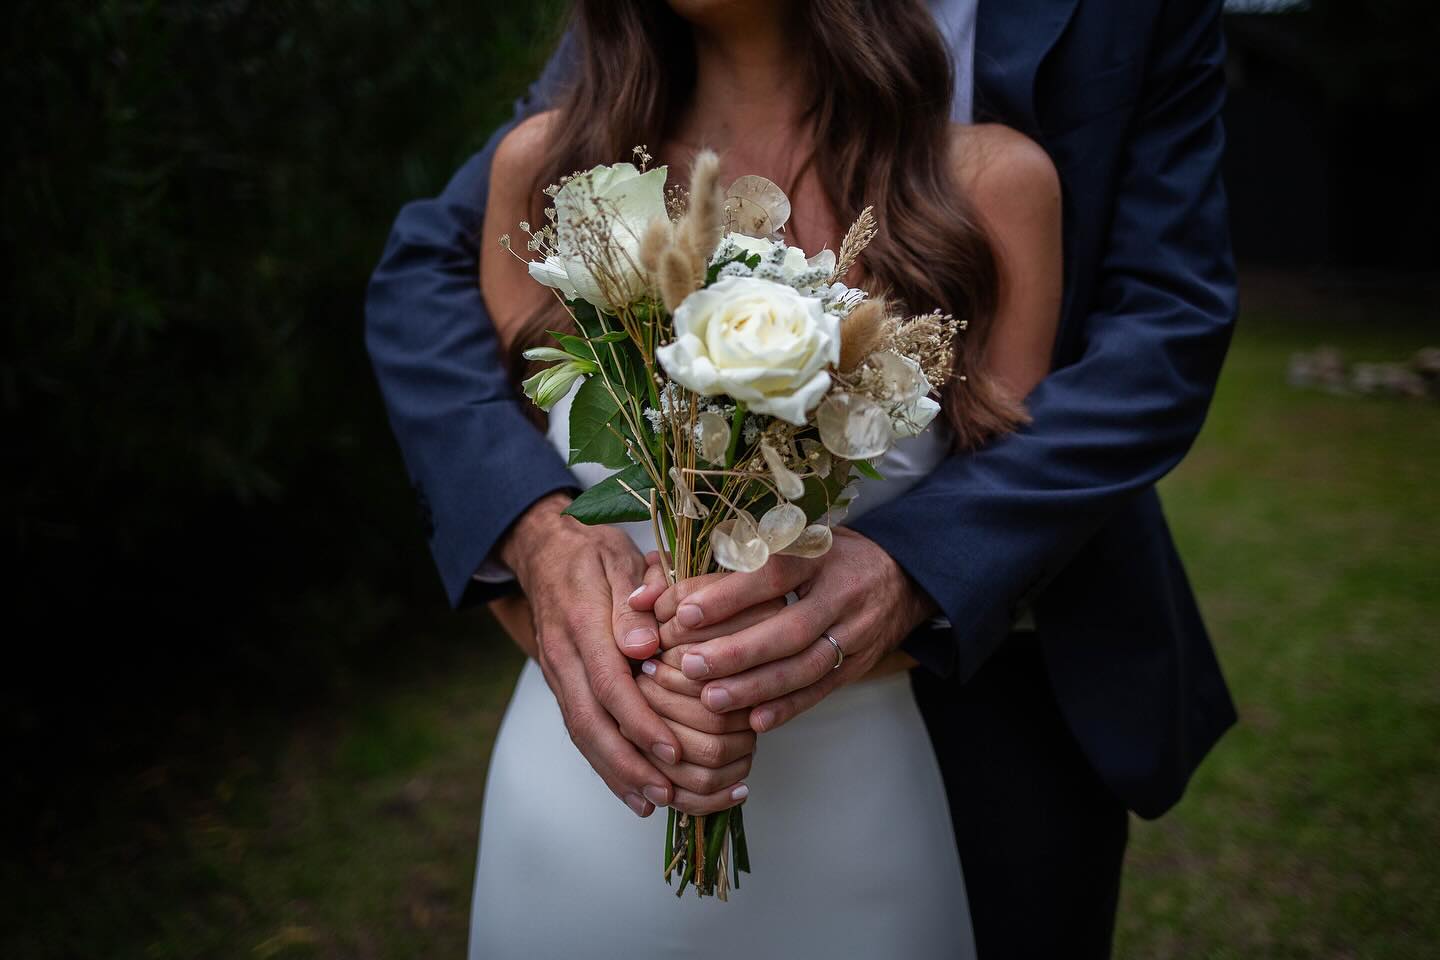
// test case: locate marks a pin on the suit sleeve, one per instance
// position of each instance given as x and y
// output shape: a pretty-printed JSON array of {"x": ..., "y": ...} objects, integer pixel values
[
  {"x": 475, "y": 462},
  {"x": 1128, "y": 409}
]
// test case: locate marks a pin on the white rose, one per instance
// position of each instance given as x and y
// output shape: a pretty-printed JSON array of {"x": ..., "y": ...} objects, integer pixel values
[
  {"x": 757, "y": 341},
  {"x": 625, "y": 201},
  {"x": 794, "y": 263}
]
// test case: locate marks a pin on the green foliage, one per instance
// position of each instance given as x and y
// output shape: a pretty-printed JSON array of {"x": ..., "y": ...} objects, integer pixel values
[
  {"x": 597, "y": 426},
  {"x": 195, "y": 195},
  {"x": 711, "y": 275},
  {"x": 820, "y": 493},
  {"x": 866, "y": 469},
  {"x": 204, "y": 509},
  {"x": 609, "y": 502}
]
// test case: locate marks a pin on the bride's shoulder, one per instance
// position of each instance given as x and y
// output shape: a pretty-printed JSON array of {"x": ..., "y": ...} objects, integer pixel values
[
  {"x": 519, "y": 153},
  {"x": 1000, "y": 167},
  {"x": 509, "y": 292}
]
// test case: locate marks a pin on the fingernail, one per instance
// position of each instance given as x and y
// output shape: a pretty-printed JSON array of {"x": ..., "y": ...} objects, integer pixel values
[
  {"x": 649, "y": 668},
  {"x": 665, "y": 752},
  {"x": 637, "y": 804},
  {"x": 740, "y": 792},
  {"x": 689, "y": 615},
  {"x": 694, "y": 666},
  {"x": 763, "y": 719},
  {"x": 716, "y": 698},
  {"x": 635, "y": 593},
  {"x": 639, "y": 637},
  {"x": 654, "y": 794}
]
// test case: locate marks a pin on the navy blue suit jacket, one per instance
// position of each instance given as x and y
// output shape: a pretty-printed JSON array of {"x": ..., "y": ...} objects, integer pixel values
[{"x": 1061, "y": 516}]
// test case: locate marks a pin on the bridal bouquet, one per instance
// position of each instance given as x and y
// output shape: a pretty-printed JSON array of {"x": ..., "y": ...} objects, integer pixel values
[{"x": 732, "y": 382}]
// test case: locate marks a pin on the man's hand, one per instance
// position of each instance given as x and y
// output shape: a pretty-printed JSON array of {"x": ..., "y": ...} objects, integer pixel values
[
  {"x": 577, "y": 579},
  {"x": 730, "y": 639}
]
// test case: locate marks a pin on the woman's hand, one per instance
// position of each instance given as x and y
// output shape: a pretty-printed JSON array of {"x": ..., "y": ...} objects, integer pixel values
[
  {"x": 717, "y": 746},
  {"x": 730, "y": 639}
]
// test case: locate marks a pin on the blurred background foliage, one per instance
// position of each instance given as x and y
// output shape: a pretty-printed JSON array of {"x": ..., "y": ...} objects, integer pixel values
[
  {"x": 198, "y": 473},
  {"x": 239, "y": 718},
  {"x": 205, "y": 515}
]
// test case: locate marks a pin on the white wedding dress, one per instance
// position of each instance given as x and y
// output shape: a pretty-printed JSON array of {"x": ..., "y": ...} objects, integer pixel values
[{"x": 849, "y": 831}]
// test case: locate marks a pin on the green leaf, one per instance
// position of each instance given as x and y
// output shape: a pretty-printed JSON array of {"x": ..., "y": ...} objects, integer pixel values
[
  {"x": 737, "y": 838},
  {"x": 820, "y": 495},
  {"x": 594, "y": 420},
  {"x": 581, "y": 346},
  {"x": 613, "y": 351},
  {"x": 573, "y": 345},
  {"x": 587, "y": 318},
  {"x": 609, "y": 502},
  {"x": 866, "y": 469},
  {"x": 715, "y": 829}
]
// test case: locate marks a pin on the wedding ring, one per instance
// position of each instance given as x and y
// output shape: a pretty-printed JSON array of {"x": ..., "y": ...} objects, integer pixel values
[{"x": 839, "y": 654}]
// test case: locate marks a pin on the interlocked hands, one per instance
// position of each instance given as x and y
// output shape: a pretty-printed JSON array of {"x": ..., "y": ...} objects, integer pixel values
[{"x": 722, "y": 657}]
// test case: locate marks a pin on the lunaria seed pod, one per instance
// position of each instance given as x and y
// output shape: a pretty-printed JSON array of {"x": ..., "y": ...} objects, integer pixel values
[
  {"x": 781, "y": 525},
  {"x": 854, "y": 427},
  {"x": 756, "y": 207}
]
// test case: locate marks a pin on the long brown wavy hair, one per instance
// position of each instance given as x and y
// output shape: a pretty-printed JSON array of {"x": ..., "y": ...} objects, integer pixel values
[{"x": 880, "y": 82}]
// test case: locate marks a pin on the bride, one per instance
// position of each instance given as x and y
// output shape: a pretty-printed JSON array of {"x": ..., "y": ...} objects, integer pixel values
[{"x": 843, "y": 104}]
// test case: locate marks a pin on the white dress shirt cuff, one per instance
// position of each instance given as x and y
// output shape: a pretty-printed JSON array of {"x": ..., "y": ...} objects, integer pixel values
[{"x": 493, "y": 571}]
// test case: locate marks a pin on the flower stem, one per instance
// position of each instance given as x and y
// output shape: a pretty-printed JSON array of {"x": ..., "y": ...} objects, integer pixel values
[
  {"x": 736, "y": 423},
  {"x": 669, "y": 861}
]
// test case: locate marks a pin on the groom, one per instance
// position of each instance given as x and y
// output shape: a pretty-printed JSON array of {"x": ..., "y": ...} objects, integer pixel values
[{"x": 1073, "y": 679}]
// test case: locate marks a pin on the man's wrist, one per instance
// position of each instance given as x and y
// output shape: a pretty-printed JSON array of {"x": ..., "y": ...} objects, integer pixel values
[
  {"x": 531, "y": 528},
  {"x": 914, "y": 606},
  {"x": 919, "y": 607}
]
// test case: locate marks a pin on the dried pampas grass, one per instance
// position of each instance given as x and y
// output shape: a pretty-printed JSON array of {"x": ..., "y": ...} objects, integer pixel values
[
  {"x": 677, "y": 276},
  {"x": 704, "y": 222},
  {"x": 658, "y": 237},
  {"x": 680, "y": 254},
  {"x": 861, "y": 333}
]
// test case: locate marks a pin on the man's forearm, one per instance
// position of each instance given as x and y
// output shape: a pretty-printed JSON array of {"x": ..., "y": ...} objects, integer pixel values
[{"x": 475, "y": 461}]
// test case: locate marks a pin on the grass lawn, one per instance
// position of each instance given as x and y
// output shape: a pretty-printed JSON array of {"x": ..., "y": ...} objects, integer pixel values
[{"x": 1311, "y": 527}]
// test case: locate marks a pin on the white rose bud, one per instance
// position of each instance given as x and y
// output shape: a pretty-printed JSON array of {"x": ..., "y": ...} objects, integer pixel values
[
  {"x": 625, "y": 201},
  {"x": 757, "y": 341}
]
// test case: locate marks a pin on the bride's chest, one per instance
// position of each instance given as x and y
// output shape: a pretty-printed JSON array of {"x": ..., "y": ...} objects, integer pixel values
[{"x": 813, "y": 225}]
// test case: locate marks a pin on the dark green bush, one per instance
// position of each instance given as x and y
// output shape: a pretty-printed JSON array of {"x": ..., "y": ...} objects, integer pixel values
[{"x": 197, "y": 468}]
